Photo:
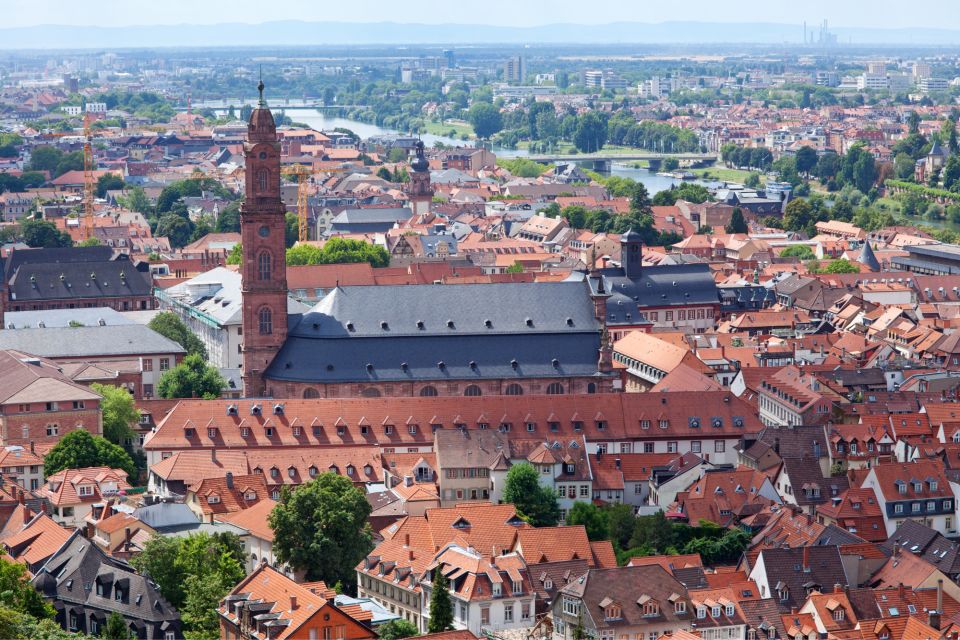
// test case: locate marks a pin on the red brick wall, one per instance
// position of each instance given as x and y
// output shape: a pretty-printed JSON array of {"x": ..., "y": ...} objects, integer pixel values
[
  {"x": 445, "y": 388},
  {"x": 12, "y": 423}
]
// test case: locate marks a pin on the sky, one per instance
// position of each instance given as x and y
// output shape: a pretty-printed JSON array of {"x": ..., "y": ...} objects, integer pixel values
[{"x": 118, "y": 13}]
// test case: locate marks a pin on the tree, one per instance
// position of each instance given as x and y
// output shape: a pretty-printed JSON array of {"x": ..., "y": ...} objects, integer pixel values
[
  {"x": 228, "y": 220},
  {"x": 534, "y": 502},
  {"x": 137, "y": 200},
  {"x": 119, "y": 412},
  {"x": 948, "y": 133},
  {"x": 194, "y": 573},
  {"x": 45, "y": 158},
  {"x": 159, "y": 560},
  {"x": 236, "y": 255},
  {"x": 79, "y": 449},
  {"x": 397, "y": 629},
  {"x": 192, "y": 378},
  {"x": 801, "y": 251},
  {"x": 177, "y": 228},
  {"x": 17, "y": 593},
  {"x": 798, "y": 215},
  {"x": 951, "y": 174},
  {"x": 620, "y": 524},
  {"x": 43, "y": 234},
  {"x": 737, "y": 224},
  {"x": 338, "y": 251},
  {"x": 806, "y": 159},
  {"x": 752, "y": 180},
  {"x": 591, "y": 133},
  {"x": 169, "y": 325},
  {"x": 841, "y": 265},
  {"x": 516, "y": 267},
  {"x": 485, "y": 119},
  {"x": 441, "y": 608},
  {"x": 903, "y": 167},
  {"x": 321, "y": 528},
  {"x": 109, "y": 182},
  {"x": 655, "y": 531},
  {"x": 115, "y": 628},
  {"x": 593, "y": 519}
]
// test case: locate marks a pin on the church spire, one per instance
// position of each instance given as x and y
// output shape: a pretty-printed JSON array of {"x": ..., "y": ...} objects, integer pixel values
[{"x": 261, "y": 103}]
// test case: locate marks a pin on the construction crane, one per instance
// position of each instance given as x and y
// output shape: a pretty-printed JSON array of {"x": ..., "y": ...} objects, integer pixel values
[
  {"x": 302, "y": 175},
  {"x": 89, "y": 182}
]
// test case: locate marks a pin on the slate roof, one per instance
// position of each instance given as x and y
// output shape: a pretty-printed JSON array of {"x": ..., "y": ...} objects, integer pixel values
[
  {"x": 530, "y": 323},
  {"x": 932, "y": 546},
  {"x": 69, "y": 577},
  {"x": 787, "y": 566},
  {"x": 677, "y": 285},
  {"x": 82, "y": 342},
  {"x": 43, "y": 274},
  {"x": 91, "y": 317}
]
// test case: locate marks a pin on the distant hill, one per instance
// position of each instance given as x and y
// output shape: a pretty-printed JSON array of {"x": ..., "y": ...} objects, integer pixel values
[{"x": 347, "y": 33}]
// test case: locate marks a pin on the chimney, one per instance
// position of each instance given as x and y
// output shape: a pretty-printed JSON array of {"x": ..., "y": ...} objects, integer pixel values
[
  {"x": 776, "y": 446},
  {"x": 213, "y": 455},
  {"x": 616, "y": 462},
  {"x": 27, "y": 514},
  {"x": 43, "y": 506},
  {"x": 20, "y": 496},
  {"x": 408, "y": 481},
  {"x": 411, "y": 555},
  {"x": 933, "y": 619},
  {"x": 33, "y": 448},
  {"x": 900, "y": 589},
  {"x": 806, "y": 559},
  {"x": 293, "y": 603},
  {"x": 229, "y": 480},
  {"x": 406, "y": 539},
  {"x": 838, "y": 588},
  {"x": 939, "y": 596}
]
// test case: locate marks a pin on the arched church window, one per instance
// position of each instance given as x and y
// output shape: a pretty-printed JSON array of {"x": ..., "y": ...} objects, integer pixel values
[
  {"x": 266, "y": 321},
  {"x": 263, "y": 266},
  {"x": 263, "y": 176}
]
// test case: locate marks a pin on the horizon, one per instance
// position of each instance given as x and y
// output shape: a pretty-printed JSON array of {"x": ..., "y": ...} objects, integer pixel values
[{"x": 878, "y": 14}]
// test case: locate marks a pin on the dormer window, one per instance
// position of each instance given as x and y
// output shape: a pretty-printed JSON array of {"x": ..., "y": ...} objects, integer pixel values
[
  {"x": 902, "y": 487},
  {"x": 838, "y": 614},
  {"x": 730, "y": 610},
  {"x": 274, "y": 472},
  {"x": 213, "y": 499},
  {"x": 548, "y": 584},
  {"x": 250, "y": 496},
  {"x": 496, "y": 589},
  {"x": 85, "y": 490},
  {"x": 570, "y": 469},
  {"x": 783, "y": 593},
  {"x": 516, "y": 587},
  {"x": 680, "y": 606},
  {"x": 701, "y": 612},
  {"x": 613, "y": 612},
  {"x": 715, "y": 611},
  {"x": 933, "y": 485},
  {"x": 313, "y": 472}
]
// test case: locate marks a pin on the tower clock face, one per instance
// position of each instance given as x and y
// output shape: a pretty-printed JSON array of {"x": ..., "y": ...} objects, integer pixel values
[{"x": 264, "y": 231}]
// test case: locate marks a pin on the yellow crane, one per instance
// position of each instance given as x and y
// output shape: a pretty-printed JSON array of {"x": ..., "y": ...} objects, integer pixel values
[
  {"x": 89, "y": 182},
  {"x": 302, "y": 174}
]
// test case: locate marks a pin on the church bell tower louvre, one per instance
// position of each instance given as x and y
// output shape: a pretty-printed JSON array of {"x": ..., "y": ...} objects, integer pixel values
[{"x": 264, "y": 266}]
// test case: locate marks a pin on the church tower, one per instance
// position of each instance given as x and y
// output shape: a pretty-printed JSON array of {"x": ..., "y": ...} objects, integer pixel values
[
  {"x": 419, "y": 189},
  {"x": 631, "y": 254},
  {"x": 264, "y": 268}
]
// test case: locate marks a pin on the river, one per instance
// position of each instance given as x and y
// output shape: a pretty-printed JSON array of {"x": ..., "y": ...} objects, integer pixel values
[{"x": 323, "y": 122}]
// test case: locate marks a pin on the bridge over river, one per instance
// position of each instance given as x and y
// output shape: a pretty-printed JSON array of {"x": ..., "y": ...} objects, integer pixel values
[{"x": 603, "y": 161}]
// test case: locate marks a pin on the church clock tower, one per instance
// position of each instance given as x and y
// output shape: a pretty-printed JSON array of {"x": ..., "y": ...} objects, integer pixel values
[{"x": 264, "y": 268}]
